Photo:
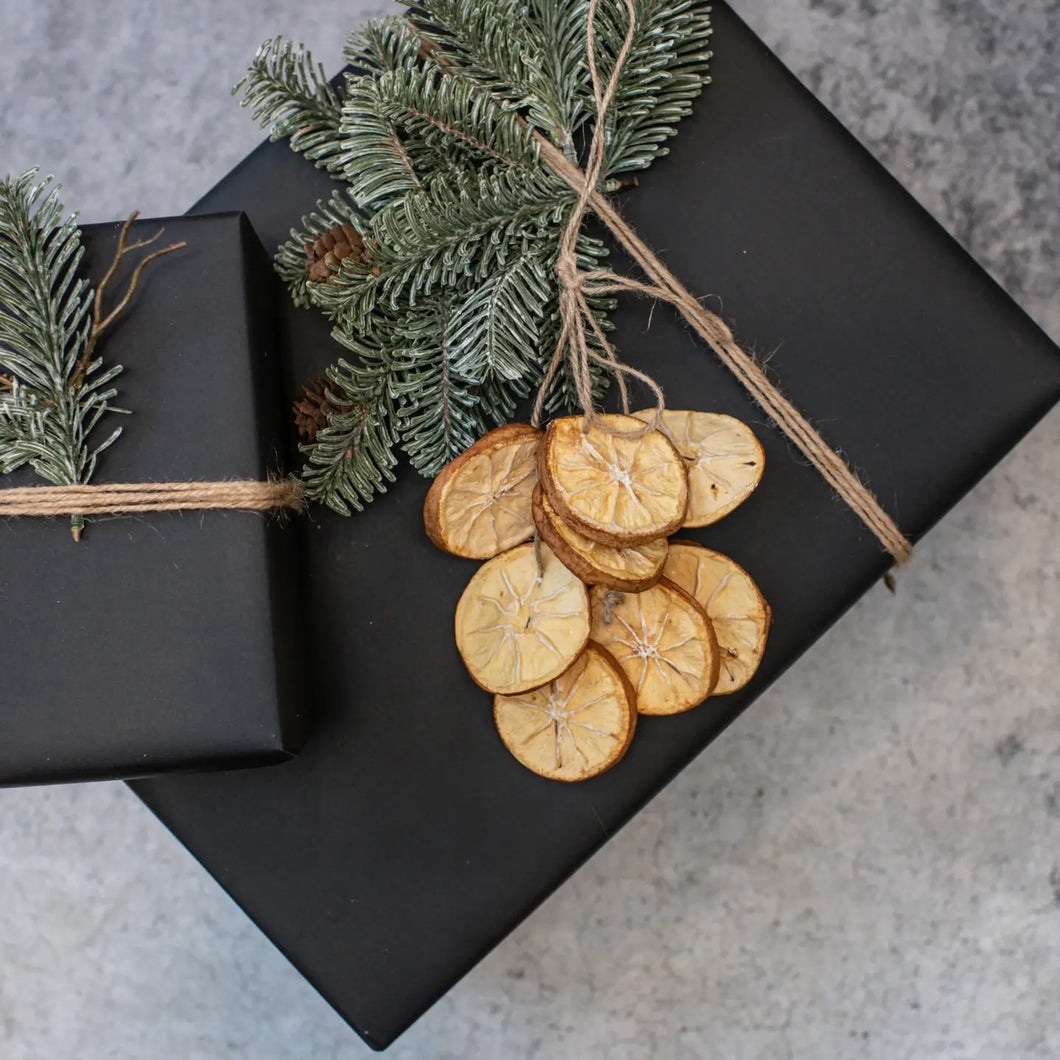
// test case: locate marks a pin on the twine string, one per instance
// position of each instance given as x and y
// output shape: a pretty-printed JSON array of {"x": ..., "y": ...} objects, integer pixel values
[
  {"x": 576, "y": 286},
  {"x": 575, "y": 312},
  {"x": 123, "y": 498}
]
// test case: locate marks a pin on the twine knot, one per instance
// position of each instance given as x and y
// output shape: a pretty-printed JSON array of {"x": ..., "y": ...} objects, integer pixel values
[{"x": 570, "y": 276}]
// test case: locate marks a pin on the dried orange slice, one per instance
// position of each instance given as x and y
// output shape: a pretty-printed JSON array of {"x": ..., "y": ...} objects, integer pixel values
[
  {"x": 621, "y": 491},
  {"x": 575, "y": 727},
  {"x": 520, "y": 624},
  {"x": 663, "y": 640},
  {"x": 479, "y": 505},
  {"x": 725, "y": 461},
  {"x": 736, "y": 608},
  {"x": 629, "y": 569}
]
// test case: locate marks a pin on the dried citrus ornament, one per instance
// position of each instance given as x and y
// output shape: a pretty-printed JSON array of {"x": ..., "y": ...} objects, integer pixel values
[
  {"x": 619, "y": 490},
  {"x": 575, "y": 727},
  {"x": 479, "y": 505},
  {"x": 736, "y": 608},
  {"x": 724, "y": 460},
  {"x": 522, "y": 620},
  {"x": 628, "y": 569},
  {"x": 663, "y": 640}
]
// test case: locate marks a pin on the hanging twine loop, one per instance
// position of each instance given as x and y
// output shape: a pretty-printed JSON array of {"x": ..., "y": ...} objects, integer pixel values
[
  {"x": 575, "y": 312},
  {"x": 578, "y": 321}
]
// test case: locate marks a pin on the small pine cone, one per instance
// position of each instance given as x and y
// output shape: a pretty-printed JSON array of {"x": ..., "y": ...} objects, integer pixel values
[
  {"x": 323, "y": 255},
  {"x": 311, "y": 413}
]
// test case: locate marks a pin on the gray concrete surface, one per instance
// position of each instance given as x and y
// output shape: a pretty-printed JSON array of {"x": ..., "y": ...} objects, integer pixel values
[{"x": 866, "y": 865}]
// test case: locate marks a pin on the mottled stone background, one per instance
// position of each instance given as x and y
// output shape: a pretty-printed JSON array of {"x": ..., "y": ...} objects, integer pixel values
[{"x": 866, "y": 865}]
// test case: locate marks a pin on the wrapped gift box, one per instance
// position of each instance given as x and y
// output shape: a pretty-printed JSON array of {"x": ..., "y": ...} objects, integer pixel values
[
  {"x": 167, "y": 640},
  {"x": 405, "y": 841}
]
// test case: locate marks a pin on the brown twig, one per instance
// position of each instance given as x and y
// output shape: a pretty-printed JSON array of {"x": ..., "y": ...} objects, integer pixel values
[
  {"x": 7, "y": 382},
  {"x": 100, "y": 322}
]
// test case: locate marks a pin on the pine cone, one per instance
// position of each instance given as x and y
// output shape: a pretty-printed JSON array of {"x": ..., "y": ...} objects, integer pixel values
[
  {"x": 311, "y": 413},
  {"x": 323, "y": 255}
]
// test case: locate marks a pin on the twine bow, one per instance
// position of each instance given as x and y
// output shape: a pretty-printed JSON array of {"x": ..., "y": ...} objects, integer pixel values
[{"x": 576, "y": 316}]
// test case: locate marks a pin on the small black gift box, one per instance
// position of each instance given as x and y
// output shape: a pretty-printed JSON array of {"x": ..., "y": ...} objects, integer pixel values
[
  {"x": 405, "y": 841},
  {"x": 164, "y": 640}
]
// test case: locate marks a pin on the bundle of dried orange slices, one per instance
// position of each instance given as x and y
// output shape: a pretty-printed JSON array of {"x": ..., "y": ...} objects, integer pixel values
[{"x": 584, "y": 614}]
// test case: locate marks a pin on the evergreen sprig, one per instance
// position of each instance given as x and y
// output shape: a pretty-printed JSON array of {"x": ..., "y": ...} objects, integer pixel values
[
  {"x": 499, "y": 322},
  {"x": 454, "y": 235},
  {"x": 439, "y": 413},
  {"x": 51, "y": 400},
  {"x": 353, "y": 457},
  {"x": 54, "y": 390},
  {"x": 450, "y": 315},
  {"x": 290, "y": 94}
]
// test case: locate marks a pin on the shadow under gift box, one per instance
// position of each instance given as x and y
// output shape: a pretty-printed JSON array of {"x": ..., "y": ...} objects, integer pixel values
[
  {"x": 164, "y": 640},
  {"x": 405, "y": 841}
]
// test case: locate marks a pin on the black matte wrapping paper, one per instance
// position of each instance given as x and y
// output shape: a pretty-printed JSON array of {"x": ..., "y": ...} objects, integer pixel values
[
  {"x": 405, "y": 841},
  {"x": 163, "y": 641}
]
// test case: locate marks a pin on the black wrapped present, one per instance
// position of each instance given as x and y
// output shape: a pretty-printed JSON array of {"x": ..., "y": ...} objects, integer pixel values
[
  {"x": 165, "y": 640},
  {"x": 405, "y": 842}
]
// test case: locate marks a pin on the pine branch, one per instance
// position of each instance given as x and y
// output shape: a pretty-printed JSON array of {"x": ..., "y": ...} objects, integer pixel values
[
  {"x": 419, "y": 120},
  {"x": 13, "y": 408},
  {"x": 352, "y": 459},
  {"x": 459, "y": 229},
  {"x": 384, "y": 44},
  {"x": 530, "y": 55},
  {"x": 501, "y": 398},
  {"x": 45, "y": 322},
  {"x": 666, "y": 70},
  {"x": 374, "y": 157},
  {"x": 564, "y": 101},
  {"x": 454, "y": 116},
  {"x": 291, "y": 97},
  {"x": 497, "y": 330},
  {"x": 438, "y": 412},
  {"x": 492, "y": 43},
  {"x": 376, "y": 161}
]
